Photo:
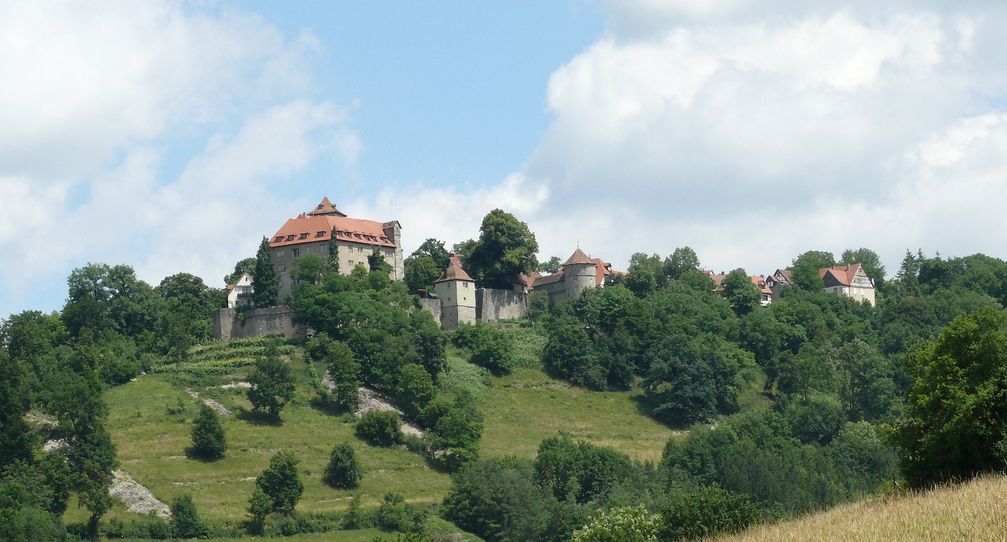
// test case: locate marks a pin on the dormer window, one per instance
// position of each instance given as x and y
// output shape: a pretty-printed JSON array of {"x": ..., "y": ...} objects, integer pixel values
[
  {"x": 320, "y": 234},
  {"x": 304, "y": 236},
  {"x": 291, "y": 237}
]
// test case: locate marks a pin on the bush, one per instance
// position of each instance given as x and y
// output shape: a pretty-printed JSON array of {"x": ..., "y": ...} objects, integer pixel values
[
  {"x": 354, "y": 518},
  {"x": 495, "y": 353},
  {"x": 259, "y": 506},
  {"x": 380, "y": 428},
  {"x": 343, "y": 471},
  {"x": 415, "y": 389},
  {"x": 395, "y": 515},
  {"x": 281, "y": 483},
  {"x": 185, "y": 522},
  {"x": 705, "y": 511},
  {"x": 208, "y": 438},
  {"x": 620, "y": 525},
  {"x": 272, "y": 383}
]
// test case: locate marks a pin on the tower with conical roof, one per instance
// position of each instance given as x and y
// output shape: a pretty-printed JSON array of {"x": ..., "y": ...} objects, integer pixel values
[
  {"x": 457, "y": 293},
  {"x": 578, "y": 273}
]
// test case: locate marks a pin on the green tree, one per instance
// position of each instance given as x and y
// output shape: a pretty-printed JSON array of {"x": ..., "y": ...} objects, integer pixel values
[
  {"x": 646, "y": 273},
  {"x": 17, "y": 442},
  {"x": 505, "y": 249},
  {"x": 870, "y": 261},
  {"x": 246, "y": 265},
  {"x": 343, "y": 470},
  {"x": 281, "y": 483},
  {"x": 568, "y": 353},
  {"x": 415, "y": 389},
  {"x": 185, "y": 521},
  {"x": 552, "y": 265},
  {"x": 259, "y": 507},
  {"x": 805, "y": 268},
  {"x": 208, "y": 438},
  {"x": 345, "y": 373},
  {"x": 681, "y": 261},
  {"x": 434, "y": 248},
  {"x": 493, "y": 349},
  {"x": 376, "y": 262},
  {"x": 956, "y": 410},
  {"x": 272, "y": 382},
  {"x": 332, "y": 258},
  {"x": 421, "y": 272},
  {"x": 265, "y": 281},
  {"x": 308, "y": 269},
  {"x": 740, "y": 292},
  {"x": 380, "y": 428}
]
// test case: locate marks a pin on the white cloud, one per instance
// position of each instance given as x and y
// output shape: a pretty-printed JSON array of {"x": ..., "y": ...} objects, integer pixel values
[
  {"x": 752, "y": 135},
  {"x": 95, "y": 98}
]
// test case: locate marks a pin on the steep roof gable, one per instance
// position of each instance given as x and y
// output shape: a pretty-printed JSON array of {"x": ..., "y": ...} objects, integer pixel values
[
  {"x": 579, "y": 258},
  {"x": 454, "y": 271}
]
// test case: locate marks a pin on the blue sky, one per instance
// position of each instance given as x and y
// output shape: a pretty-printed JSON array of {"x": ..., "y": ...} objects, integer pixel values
[{"x": 172, "y": 135}]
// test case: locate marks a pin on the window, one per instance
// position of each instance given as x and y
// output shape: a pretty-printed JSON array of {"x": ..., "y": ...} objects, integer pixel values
[
  {"x": 465, "y": 285},
  {"x": 283, "y": 268},
  {"x": 320, "y": 234},
  {"x": 279, "y": 253},
  {"x": 295, "y": 252},
  {"x": 291, "y": 237},
  {"x": 303, "y": 236}
]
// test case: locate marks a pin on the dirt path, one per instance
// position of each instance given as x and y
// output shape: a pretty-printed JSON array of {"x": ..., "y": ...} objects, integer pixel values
[
  {"x": 137, "y": 498},
  {"x": 217, "y": 407},
  {"x": 370, "y": 400}
]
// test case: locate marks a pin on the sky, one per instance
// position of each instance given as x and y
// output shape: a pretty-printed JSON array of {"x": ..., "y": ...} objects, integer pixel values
[{"x": 172, "y": 136}]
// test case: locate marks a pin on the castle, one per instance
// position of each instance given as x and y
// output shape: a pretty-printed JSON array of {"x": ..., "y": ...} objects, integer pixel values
[
  {"x": 460, "y": 302},
  {"x": 355, "y": 239}
]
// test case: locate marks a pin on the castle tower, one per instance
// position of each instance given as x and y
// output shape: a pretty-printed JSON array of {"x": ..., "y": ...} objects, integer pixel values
[
  {"x": 457, "y": 293},
  {"x": 579, "y": 274}
]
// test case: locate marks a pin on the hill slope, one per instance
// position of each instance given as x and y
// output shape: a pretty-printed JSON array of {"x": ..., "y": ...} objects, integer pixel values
[{"x": 975, "y": 510}]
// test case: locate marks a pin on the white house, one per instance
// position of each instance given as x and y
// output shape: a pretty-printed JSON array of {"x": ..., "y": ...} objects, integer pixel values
[{"x": 239, "y": 293}]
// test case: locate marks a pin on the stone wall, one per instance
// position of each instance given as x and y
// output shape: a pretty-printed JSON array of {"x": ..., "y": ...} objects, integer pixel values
[
  {"x": 228, "y": 324},
  {"x": 494, "y": 305},
  {"x": 433, "y": 306}
]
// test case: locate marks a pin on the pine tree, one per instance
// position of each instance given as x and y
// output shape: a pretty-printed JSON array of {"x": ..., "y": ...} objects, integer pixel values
[
  {"x": 343, "y": 471},
  {"x": 185, "y": 521},
  {"x": 265, "y": 281},
  {"x": 332, "y": 262},
  {"x": 208, "y": 438}
]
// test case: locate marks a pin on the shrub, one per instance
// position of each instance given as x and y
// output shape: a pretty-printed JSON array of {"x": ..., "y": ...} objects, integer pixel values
[
  {"x": 354, "y": 518},
  {"x": 694, "y": 514},
  {"x": 272, "y": 383},
  {"x": 415, "y": 389},
  {"x": 380, "y": 428},
  {"x": 208, "y": 438},
  {"x": 259, "y": 506},
  {"x": 620, "y": 525},
  {"x": 281, "y": 483},
  {"x": 491, "y": 348},
  {"x": 185, "y": 522},
  {"x": 343, "y": 471},
  {"x": 395, "y": 515}
]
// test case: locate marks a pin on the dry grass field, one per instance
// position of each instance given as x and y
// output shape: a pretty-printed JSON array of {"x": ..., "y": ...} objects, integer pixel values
[{"x": 973, "y": 511}]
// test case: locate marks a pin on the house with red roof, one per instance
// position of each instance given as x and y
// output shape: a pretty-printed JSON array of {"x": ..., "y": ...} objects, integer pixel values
[
  {"x": 848, "y": 280},
  {"x": 765, "y": 292},
  {"x": 354, "y": 240}
]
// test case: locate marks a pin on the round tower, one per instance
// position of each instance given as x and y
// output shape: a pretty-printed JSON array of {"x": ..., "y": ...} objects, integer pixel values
[{"x": 579, "y": 274}]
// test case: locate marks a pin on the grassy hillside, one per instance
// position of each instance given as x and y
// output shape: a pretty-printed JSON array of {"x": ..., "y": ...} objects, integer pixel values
[
  {"x": 976, "y": 510},
  {"x": 150, "y": 420}
]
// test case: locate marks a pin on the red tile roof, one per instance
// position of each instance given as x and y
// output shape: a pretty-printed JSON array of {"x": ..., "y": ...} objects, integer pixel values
[
  {"x": 318, "y": 225},
  {"x": 760, "y": 282},
  {"x": 578, "y": 258},
  {"x": 326, "y": 208},
  {"x": 602, "y": 270},
  {"x": 842, "y": 273},
  {"x": 454, "y": 271}
]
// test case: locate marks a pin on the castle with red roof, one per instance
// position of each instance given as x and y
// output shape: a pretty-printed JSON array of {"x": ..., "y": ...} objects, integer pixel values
[{"x": 355, "y": 240}]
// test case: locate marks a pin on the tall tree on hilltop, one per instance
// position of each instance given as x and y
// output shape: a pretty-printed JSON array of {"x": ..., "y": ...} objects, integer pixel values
[
  {"x": 435, "y": 249},
  {"x": 265, "y": 281},
  {"x": 805, "y": 269},
  {"x": 505, "y": 249},
  {"x": 739, "y": 290},
  {"x": 681, "y": 261},
  {"x": 870, "y": 261}
]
